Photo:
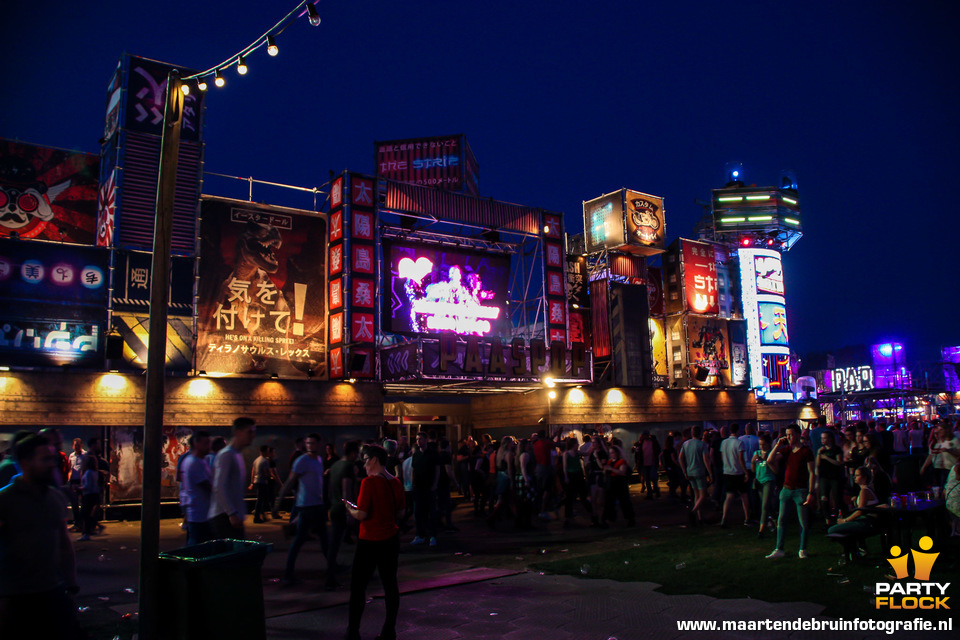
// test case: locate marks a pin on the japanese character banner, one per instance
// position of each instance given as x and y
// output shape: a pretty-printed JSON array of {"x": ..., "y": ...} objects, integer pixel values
[
  {"x": 131, "y": 289},
  {"x": 261, "y": 302},
  {"x": 700, "y": 277},
  {"x": 47, "y": 194}
]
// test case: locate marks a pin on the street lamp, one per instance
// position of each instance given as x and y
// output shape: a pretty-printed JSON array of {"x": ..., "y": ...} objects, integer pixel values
[{"x": 149, "y": 596}]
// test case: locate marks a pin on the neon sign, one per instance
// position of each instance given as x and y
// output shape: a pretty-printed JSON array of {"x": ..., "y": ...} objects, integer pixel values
[
  {"x": 438, "y": 290},
  {"x": 852, "y": 379},
  {"x": 764, "y": 307}
]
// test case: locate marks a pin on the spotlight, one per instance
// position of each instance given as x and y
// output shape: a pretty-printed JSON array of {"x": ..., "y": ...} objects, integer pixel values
[
  {"x": 552, "y": 395},
  {"x": 549, "y": 382},
  {"x": 218, "y": 79},
  {"x": 350, "y": 380},
  {"x": 770, "y": 242},
  {"x": 185, "y": 88},
  {"x": 546, "y": 228},
  {"x": 313, "y": 15},
  {"x": 746, "y": 242},
  {"x": 201, "y": 84},
  {"x": 736, "y": 174},
  {"x": 274, "y": 375},
  {"x": 272, "y": 48},
  {"x": 241, "y": 66}
]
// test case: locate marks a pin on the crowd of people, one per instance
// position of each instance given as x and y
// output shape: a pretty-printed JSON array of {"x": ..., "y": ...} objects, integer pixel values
[{"x": 369, "y": 494}]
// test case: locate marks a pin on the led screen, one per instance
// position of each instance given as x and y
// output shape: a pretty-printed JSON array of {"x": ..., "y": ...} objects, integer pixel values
[{"x": 431, "y": 289}]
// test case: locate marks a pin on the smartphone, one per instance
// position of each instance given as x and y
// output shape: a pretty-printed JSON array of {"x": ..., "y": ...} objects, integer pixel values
[{"x": 350, "y": 504}]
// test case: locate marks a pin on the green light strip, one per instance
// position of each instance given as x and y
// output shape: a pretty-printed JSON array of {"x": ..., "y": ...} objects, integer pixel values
[
  {"x": 758, "y": 197},
  {"x": 760, "y": 218},
  {"x": 730, "y": 199},
  {"x": 790, "y": 200},
  {"x": 792, "y": 221},
  {"x": 730, "y": 220}
]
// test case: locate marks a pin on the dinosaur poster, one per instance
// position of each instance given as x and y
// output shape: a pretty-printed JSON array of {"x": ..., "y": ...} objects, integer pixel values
[
  {"x": 261, "y": 306},
  {"x": 47, "y": 194}
]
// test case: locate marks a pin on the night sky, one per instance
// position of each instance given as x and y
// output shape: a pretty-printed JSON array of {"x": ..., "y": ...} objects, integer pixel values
[{"x": 563, "y": 101}]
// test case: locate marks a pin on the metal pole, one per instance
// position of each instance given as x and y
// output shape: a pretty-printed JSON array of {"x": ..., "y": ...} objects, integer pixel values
[{"x": 156, "y": 359}]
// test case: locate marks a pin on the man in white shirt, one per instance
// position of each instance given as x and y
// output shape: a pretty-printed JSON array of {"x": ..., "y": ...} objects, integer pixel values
[{"x": 227, "y": 507}]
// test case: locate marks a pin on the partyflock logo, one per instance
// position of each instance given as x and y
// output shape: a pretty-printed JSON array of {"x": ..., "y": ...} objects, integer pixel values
[{"x": 921, "y": 594}]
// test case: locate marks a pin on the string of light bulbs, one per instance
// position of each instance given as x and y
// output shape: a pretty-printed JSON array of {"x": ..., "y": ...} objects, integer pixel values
[{"x": 268, "y": 40}]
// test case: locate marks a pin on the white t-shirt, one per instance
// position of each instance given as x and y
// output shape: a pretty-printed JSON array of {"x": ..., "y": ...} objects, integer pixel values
[
  {"x": 731, "y": 451},
  {"x": 195, "y": 472}
]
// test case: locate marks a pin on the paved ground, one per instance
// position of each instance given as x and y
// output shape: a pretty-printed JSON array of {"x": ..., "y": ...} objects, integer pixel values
[{"x": 474, "y": 585}]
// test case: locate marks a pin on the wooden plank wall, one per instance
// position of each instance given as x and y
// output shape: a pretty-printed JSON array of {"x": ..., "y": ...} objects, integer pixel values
[
  {"x": 624, "y": 405},
  {"x": 80, "y": 399}
]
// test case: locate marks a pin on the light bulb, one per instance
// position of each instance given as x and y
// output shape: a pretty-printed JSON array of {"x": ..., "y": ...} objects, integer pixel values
[
  {"x": 241, "y": 66},
  {"x": 272, "y": 48},
  {"x": 218, "y": 79},
  {"x": 313, "y": 15},
  {"x": 202, "y": 84},
  {"x": 185, "y": 88}
]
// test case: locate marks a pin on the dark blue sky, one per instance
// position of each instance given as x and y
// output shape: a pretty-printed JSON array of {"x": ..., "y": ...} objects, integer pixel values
[{"x": 563, "y": 101}]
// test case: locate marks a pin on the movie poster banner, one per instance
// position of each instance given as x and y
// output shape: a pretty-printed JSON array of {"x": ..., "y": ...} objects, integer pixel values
[
  {"x": 126, "y": 462},
  {"x": 48, "y": 194},
  {"x": 708, "y": 348},
  {"x": 658, "y": 350},
  {"x": 261, "y": 303}
]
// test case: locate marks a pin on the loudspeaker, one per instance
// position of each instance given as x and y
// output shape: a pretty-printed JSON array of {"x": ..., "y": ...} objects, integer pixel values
[
  {"x": 114, "y": 347},
  {"x": 357, "y": 360}
]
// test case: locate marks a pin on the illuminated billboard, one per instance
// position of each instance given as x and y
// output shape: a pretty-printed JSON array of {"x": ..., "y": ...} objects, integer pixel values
[
  {"x": 261, "y": 301},
  {"x": 764, "y": 308},
  {"x": 439, "y": 289},
  {"x": 625, "y": 220},
  {"x": 603, "y": 222},
  {"x": 700, "y": 278},
  {"x": 53, "y": 300},
  {"x": 645, "y": 222}
]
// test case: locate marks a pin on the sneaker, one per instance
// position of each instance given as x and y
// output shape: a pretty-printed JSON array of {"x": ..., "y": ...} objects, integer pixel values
[
  {"x": 83, "y": 538},
  {"x": 433, "y": 542},
  {"x": 777, "y": 553},
  {"x": 803, "y": 554},
  {"x": 418, "y": 540}
]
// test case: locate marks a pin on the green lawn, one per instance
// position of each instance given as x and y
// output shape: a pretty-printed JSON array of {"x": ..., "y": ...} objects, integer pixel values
[{"x": 730, "y": 563}]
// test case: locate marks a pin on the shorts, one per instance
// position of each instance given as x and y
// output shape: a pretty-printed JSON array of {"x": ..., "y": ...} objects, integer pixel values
[
  {"x": 698, "y": 482},
  {"x": 734, "y": 484}
]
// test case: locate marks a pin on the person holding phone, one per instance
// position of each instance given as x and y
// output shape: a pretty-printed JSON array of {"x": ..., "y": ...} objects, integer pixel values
[
  {"x": 798, "y": 484},
  {"x": 379, "y": 505}
]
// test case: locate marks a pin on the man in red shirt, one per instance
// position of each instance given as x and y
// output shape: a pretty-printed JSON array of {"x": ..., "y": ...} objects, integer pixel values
[
  {"x": 797, "y": 485},
  {"x": 542, "y": 450},
  {"x": 379, "y": 505}
]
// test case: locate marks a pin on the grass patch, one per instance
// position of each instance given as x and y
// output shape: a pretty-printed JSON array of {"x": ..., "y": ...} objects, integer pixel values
[{"x": 730, "y": 563}]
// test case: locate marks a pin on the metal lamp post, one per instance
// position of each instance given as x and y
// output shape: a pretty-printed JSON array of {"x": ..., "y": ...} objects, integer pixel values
[{"x": 149, "y": 596}]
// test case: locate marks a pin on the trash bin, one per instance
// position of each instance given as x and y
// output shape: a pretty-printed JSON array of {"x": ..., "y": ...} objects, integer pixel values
[{"x": 213, "y": 590}]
